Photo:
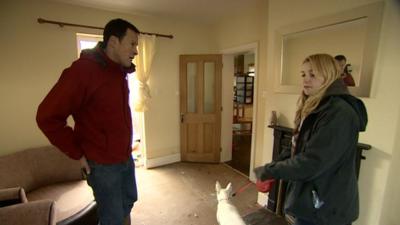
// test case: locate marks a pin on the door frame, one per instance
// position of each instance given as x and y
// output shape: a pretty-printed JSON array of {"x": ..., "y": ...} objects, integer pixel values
[{"x": 253, "y": 47}]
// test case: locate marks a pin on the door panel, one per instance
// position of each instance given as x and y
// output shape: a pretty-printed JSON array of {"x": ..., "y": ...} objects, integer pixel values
[
  {"x": 192, "y": 139},
  {"x": 209, "y": 87},
  {"x": 209, "y": 138},
  {"x": 191, "y": 68},
  {"x": 200, "y": 107}
]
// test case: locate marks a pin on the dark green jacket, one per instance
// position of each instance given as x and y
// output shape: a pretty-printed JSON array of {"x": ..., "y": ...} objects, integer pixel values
[{"x": 325, "y": 158}]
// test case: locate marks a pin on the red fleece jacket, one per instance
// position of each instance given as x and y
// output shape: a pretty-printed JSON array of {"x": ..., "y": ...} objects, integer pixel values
[{"x": 94, "y": 91}]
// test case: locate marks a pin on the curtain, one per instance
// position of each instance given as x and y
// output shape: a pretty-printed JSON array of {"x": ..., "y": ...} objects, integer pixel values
[{"x": 143, "y": 61}]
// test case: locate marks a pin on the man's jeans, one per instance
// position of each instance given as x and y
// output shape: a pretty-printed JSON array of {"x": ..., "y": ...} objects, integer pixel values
[
  {"x": 304, "y": 222},
  {"x": 114, "y": 188}
]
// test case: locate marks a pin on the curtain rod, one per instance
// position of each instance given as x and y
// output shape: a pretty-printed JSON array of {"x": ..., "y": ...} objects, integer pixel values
[{"x": 62, "y": 24}]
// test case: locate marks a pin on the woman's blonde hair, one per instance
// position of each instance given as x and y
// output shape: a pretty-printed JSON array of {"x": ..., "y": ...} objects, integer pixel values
[{"x": 322, "y": 65}]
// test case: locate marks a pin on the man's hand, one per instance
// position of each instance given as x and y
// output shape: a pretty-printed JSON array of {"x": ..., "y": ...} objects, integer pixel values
[
  {"x": 84, "y": 164},
  {"x": 262, "y": 174},
  {"x": 135, "y": 146}
]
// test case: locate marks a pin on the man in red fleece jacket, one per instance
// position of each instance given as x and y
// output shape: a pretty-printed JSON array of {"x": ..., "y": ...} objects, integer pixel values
[{"x": 94, "y": 91}]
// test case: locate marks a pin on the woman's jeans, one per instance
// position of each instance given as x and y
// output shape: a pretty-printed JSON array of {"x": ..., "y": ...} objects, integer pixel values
[{"x": 114, "y": 188}]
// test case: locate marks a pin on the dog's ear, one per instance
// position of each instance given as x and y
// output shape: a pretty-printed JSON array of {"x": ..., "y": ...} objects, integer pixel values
[
  {"x": 229, "y": 187},
  {"x": 217, "y": 186}
]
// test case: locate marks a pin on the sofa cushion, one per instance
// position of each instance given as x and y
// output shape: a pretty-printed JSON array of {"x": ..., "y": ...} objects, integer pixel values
[{"x": 70, "y": 197}]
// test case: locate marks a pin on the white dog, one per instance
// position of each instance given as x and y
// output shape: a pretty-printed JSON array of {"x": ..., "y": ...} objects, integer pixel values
[{"x": 227, "y": 213}]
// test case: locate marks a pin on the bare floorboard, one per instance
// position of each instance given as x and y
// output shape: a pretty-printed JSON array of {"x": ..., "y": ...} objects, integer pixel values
[{"x": 184, "y": 194}]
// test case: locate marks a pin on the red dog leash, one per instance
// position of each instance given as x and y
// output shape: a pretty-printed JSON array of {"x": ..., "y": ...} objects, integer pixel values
[
  {"x": 262, "y": 186},
  {"x": 242, "y": 188}
]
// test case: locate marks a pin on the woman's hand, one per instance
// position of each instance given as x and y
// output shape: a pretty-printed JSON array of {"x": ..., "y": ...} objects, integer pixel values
[{"x": 262, "y": 174}]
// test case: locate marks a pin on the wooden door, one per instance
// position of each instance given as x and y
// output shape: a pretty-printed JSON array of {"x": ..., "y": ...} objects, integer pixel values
[{"x": 200, "y": 107}]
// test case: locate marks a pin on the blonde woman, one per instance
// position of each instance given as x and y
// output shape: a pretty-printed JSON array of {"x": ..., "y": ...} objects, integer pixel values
[{"x": 322, "y": 187}]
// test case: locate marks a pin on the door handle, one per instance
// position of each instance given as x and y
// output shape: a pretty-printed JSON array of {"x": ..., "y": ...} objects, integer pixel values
[{"x": 182, "y": 117}]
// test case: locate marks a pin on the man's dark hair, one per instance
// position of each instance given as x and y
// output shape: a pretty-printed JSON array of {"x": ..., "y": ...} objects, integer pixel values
[
  {"x": 117, "y": 28},
  {"x": 340, "y": 57}
]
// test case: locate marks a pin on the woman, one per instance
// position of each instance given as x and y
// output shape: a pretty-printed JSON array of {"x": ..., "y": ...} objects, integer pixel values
[{"x": 320, "y": 168}]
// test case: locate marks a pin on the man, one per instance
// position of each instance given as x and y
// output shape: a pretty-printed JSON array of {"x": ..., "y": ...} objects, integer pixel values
[
  {"x": 94, "y": 91},
  {"x": 346, "y": 76}
]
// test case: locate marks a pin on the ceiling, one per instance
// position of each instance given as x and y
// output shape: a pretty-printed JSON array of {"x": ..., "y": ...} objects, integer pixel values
[{"x": 204, "y": 11}]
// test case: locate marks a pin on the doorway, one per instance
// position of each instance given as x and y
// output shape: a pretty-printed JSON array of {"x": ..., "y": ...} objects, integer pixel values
[
  {"x": 242, "y": 120},
  {"x": 239, "y": 103}
]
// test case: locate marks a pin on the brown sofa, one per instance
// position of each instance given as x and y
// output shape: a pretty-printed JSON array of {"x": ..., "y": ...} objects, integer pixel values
[{"x": 47, "y": 176}]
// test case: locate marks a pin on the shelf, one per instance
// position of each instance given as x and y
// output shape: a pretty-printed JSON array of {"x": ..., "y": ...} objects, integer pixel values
[{"x": 243, "y": 91}]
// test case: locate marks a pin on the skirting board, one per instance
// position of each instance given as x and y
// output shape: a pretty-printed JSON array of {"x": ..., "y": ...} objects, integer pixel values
[
  {"x": 161, "y": 161},
  {"x": 262, "y": 199}
]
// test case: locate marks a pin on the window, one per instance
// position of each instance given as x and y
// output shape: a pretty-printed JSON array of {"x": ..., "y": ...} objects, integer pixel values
[{"x": 85, "y": 41}]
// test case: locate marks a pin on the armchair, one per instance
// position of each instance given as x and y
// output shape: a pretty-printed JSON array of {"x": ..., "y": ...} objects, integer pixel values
[{"x": 16, "y": 210}]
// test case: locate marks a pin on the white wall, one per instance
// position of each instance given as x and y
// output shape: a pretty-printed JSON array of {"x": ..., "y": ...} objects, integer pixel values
[
  {"x": 385, "y": 126},
  {"x": 248, "y": 59},
  {"x": 34, "y": 56}
]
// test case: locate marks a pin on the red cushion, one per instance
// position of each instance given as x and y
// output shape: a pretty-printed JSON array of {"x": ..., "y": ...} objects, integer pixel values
[{"x": 265, "y": 186}]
